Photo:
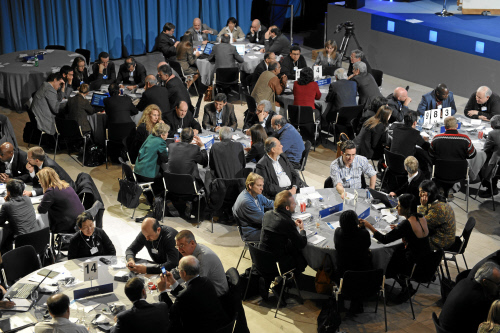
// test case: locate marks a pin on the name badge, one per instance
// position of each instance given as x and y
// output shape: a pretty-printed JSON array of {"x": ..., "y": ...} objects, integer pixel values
[
  {"x": 484, "y": 108},
  {"x": 295, "y": 68},
  {"x": 94, "y": 250},
  {"x": 104, "y": 77},
  {"x": 81, "y": 82},
  {"x": 179, "y": 130},
  {"x": 440, "y": 107},
  {"x": 348, "y": 178},
  {"x": 219, "y": 121},
  {"x": 154, "y": 251}
]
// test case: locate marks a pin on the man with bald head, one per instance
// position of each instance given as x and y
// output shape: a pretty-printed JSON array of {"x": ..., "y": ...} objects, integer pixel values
[
  {"x": 159, "y": 241},
  {"x": 58, "y": 306},
  {"x": 177, "y": 91},
  {"x": 181, "y": 118},
  {"x": 257, "y": 33},
  {"x": 398, "y": 101},
  {"x": 12, "y": 163},
  {"x": 154, "y": 94},
  {"x": 483, "y": 104},
  {"x": 200, "y": 31},
  {"x": 439, "y": 98}
]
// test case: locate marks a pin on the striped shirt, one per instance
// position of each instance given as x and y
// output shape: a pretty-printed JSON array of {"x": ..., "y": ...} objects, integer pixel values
[
  {"x": 452, "y": 146},
  {"x": 350, "y": 177}
]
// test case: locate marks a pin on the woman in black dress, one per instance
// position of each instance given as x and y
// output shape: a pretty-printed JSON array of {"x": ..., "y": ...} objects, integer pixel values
[{"x": 258, "y": 135}]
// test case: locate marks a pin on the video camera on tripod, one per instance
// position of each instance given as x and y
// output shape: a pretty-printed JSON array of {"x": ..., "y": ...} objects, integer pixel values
[
  {"x": 349, "y": 27},
  {"x": 349, "y": 32}
]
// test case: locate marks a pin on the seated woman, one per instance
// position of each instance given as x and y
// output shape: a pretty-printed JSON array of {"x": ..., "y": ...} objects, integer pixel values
[
  {"x": 78, "y": 108},
  {"x": 81, "y": 74},
  {"x": 233, "y": 30},
  {"x": 305, "y": 91},
  {"x": 371, "y": 141},
  {"x": 415, "y": 234},
  {"x": 187, "y": 60},
  {"x": 151, "y": 155},
  {"x": 89, "y": 241},
  {"x": 329, "y": 57},
  {"x": 439, "y": 215},
  {"x": 492, "y": 324},
  {"x": 376, "y": 103},
  {"x": 60, "y": 201},
  {"x": 256, "y": 151},
  {"x": 415, "y": 178},
  {"x": 150, "y": 117}
]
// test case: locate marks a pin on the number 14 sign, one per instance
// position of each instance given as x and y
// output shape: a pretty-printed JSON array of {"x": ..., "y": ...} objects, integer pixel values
[
  {"x": 90, "y": 271},
  {"x": 436, "y": 115}
]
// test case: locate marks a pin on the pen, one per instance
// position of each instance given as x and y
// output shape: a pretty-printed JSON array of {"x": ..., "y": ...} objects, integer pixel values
[{"x": 9, "y": 299}]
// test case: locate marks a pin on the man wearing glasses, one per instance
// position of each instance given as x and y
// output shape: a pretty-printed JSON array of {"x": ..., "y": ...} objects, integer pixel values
[{"x": 347, "y": 170}]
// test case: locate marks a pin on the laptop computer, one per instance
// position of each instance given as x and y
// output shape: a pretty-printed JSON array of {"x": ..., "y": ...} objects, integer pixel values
[
  {"x": 240, "y": 48},
  {"x": 207, "y": 50},
  {"x": 23, "y": 290},
  {"x": 97, "y": 101},
  {"x": 384, "y": 198}
]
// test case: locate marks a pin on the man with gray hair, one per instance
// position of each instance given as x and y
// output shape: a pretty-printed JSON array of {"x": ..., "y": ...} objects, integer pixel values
[
  {"x": 196, "y": 307},
  {"x": 269, "y": 85},
  {"x": 218, "y": 114},
  {"x": 226, "y": 157},
  {"x": 154, "y": 94},
  {"x": 367, "y": 87},
  {"x": 257, "y": 33},
  {"x": 200, "y": 31},
  {"x": 483, "y": 104},
  {"x": 469, "y": 302},
  {"x": 340, "y": 93},
  {"x": 262, "y": 116},
  {"x": 357, "y": 56},
  {"x": 290, "y": 138}
]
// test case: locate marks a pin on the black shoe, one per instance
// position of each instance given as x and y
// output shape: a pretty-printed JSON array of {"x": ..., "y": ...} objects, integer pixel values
[
  {"x": 171, "y": 209},
  {"x": 140, "y": 219},
  {"x": 189, "y": 208},
  {"x": 263, "y": 289},
  {"x": 487, "y": 193}
]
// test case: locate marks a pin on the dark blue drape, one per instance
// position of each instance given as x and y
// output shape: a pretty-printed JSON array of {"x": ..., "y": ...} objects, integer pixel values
[{"x": 119, "y": 27}]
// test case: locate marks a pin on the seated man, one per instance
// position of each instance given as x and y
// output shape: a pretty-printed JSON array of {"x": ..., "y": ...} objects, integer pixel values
[
  {"x": 200, "y": 293},
  {"x": 398, "y": 101},
  {"x": 210, "y": 264},
  {"x": 224, "y": 54},
  {"x": 177, "y": 91},
  {"x": 269, "y": 86},
  {"x": 218, "y": 114},
  {"x": 263, "y": 116},
  {"x": 250, "y": 206},
  {"x": 483, "y": 104},
  {"x": 67, "y": 74},
  {"x": 276, "y": 42},
  {"x": 103, "y": 72},
  {"x": 13, "y": 162},
  {"x": 201, "y": 31},
  {"x": 154, "y": 94},
  {"x": 367, "y": 87},
  {"x": 261, "y": 68},
  {"x": 143, "y": 316},
  {"x": 78, "y": 108},
  {"x": 58, "y": 306},
  {"x": 226, "y": 157},
  {"x": 166, "y": 42},
  {"x": 159, "y": 240},
  {"x": 181, "y": 118},
  {"x": 46, "y": 102},
  {"x": 405, "y": 138},
  {"x": 36, "y": 161},
  {"x": 257, "y": 33},
  {"x": 277, "y": 171},
  {"x": 357, "y": 56},
  {"x": 340, "y": 93},
  {"x": 451, "y": 145},
  {"x": 415, "y": 178},
  {"x": 469, "y": 302},
  {"x": 118, "y": 108},
  {"x": 290, "y": 138},
  {"x": 131, "y": 74},
  {"x": 292, "y": 62},
  {"x": 347, "y": 170},
  {"x": 439, "y": 98},
  {"x": 492, "y": 150}
]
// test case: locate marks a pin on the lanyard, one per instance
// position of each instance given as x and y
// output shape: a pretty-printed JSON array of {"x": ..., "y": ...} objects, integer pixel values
[
  {"x": 91, "y": 238},
  {"x": 157, "y": 246}
]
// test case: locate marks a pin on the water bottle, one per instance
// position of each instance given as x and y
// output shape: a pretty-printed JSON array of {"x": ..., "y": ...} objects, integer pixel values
[{"x": 36, "y": 60}]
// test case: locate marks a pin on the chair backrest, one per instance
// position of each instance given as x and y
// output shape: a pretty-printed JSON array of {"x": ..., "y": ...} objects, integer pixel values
[
  {"x": 355, "y": 125},
  {"x": 20, "y": 262},
  {"x": 328, "y": 183},
  {"x": 243, "y": 173},
  {"x": 251, "y": 103},
  {"x": 85, "y": 53},
  {"x": 395, "y": 162},
  {"x": 55, "y": 47},
  {"x": 439, "y": 329},
  {"x": 229, "y": 327},
  {"x": 305, "y": 155},
  {"x": 227, "y": 75},
  {"x": 348, "y": 113},
  {"x": 118, "y": 132},
  {"x": 265, "y": 262},
  {"x": 471, "y": 223},
  {"x": 450, "y": 171},
  {"x": 40, "y": 240},
  {"x": 127, "y": 170},
  {"x": 68, "y": 128},
  {"x": 300, "y": 115},
  {"x": 378, "y": 76},
  {"x": 362, "y": 284},
  {"x": 180, "y": 184},
  {"x": 176, "y": 66},
  {"x": 425, "y": 269}
]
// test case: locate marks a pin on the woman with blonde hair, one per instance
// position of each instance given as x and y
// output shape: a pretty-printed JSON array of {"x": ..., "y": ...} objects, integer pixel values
[
  {"x": 59, "y": 201},
  {"x": 329, "y": 56},
  {"x": 150, "y": 117},
  {"x": 371, "y": 141},
  {"x": 187, "y": 60},
  {"x": 492, "y": 324}
]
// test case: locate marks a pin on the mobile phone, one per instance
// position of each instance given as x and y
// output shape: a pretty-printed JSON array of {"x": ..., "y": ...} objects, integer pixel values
[
  {"x": 106, "y": 261},
  {"x": 163, "y": 270}
]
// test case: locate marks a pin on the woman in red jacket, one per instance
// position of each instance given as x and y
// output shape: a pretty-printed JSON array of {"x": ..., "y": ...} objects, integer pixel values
[{"x": 305, "y": 90}]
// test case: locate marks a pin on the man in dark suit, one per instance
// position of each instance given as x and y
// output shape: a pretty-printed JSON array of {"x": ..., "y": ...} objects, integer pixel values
[
  {"x": 144, "y": 316},
  {"x": 440, "y": 97},
  {"x": 262, "y": 116},
  {"x": 261, "y": 68},
  {"x": 177, "y": 91},
  {"x": 199, "y": 293},
  {"x": 398, "y": 101},
  {"x": 277, "y": 171},
  {"x": 276, "y": 42},
  {"x": 257, "y": 33},
  {"x": 166, "y": 41},
  {"x": 154, "y": 94},
  {"x": 492, "y": 150},
  {"x": 132, "y": 74},
  {"x": 357, "y": 56},
  {"x": 119, "y": 109},
  {"x": 292, "y": 62},
  {"x": 224, "y": 54},
  {"x": 340, "y": 93},
  {"x": 227, "y": 157},
  {"x": 367, "y": 87},
  {"x": 483, "y": 104},
  {"x": 13, "y": 162},
  {"x": 37, "y": 160},
  {"x": 103, "y": 71},
  {"x": 200, "y": 31},
  {"x": 218, "y": 114},
  {"x": 181, "y": 118},
  {"x": 405, "y": 138}
]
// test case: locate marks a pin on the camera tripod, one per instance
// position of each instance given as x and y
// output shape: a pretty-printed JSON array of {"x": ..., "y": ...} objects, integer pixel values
[{"x": 349, "y": 32}]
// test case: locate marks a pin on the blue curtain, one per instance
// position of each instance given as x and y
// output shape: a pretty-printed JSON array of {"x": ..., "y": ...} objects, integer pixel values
[{"x": 119, "y": 27}]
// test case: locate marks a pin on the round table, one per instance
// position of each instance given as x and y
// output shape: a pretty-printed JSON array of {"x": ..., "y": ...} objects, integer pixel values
[
  {"x": 19, "y": 80},
  {"x": 314, "y": 253}
]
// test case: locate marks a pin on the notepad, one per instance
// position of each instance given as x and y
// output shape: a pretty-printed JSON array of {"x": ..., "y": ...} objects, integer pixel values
[{"x": 315, "y": 239}]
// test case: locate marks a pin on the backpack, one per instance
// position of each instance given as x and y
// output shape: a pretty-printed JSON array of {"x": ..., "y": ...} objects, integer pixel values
[{"x": 329, "y": 318}]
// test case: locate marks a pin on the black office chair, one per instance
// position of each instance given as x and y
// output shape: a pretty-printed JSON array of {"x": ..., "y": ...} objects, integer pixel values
[
  {"x": 85, "y": 53},
  {"x": 243, "y": 173},
  {"x": 18, "y": 263},
  {"x": 303, "y": 117},
  {"x": 128, "y": 174},
  {"x": 222, "y": 195},
  {"x": 341, "y": 121},
  {"x": 395, "y": 165},
  {"x": 243, "y": 239},
  {"x": 252, "y": 107},
  {"x": 176, "y": 66},
  {"x": 55, "y": 47},
  {"x": 328, "y": 183},
  {"x": 40, "y": 240},
  {"x": 116, "y": 134},
  {"x": 378, "y": 75},
  {"x": 459, "y": 246},
  {"x": 226, "y": 78},
  {"x": 447, "y": 173},
  {"x": 491, "y": 173},
  {"x": 183, "y": 187},
  {"x": 439, "y": 329},
  {"x": 70, "y": 131},
  {"x": 303, "y": 159},
  {"x": 362, "y": 285}
]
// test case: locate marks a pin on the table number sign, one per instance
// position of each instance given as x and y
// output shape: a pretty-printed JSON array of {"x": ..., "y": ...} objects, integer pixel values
[{"x": 90, "y": 271}]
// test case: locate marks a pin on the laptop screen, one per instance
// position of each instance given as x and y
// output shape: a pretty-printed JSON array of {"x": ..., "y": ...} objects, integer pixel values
[
  {"x": 98, "y": 99},
  {"x": 240, "y": 48},
  {"x": 208, "y": 48}
]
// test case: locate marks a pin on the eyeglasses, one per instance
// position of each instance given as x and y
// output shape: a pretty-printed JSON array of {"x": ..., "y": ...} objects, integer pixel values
[{"x": 180, "y": 246}]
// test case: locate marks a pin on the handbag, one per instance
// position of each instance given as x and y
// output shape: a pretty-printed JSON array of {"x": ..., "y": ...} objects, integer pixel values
[
  {"x": 329, "y": 318},
  {"x": 208, "y": 94},
  {"x": 323, "y": 281},
  {"x": 342, "y": 138},
  {"x": 129, "y": 193}
]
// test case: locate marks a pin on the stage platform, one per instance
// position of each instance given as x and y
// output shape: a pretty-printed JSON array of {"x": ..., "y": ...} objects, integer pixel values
[{"x": 461, "y": 51}]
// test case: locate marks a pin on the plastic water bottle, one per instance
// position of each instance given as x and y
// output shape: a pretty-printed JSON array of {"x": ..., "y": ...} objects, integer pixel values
[{"x": 36, "y": 60}]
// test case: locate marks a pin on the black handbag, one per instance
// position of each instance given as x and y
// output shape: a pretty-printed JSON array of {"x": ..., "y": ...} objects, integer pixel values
[
  {"x": 129, "y": 193},
  {"x": 329, "y": 318}
]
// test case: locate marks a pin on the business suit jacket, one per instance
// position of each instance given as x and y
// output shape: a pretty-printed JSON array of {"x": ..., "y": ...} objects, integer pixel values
[
  {"x": 225, "y": 56},
  {"x": 228, "y": 116},
  {"x": 280, "y": 45},
  {"x": 363, "y": 59},
  {"x": 177, "y": 92},
  {"x": 367, "y": 88},
  {"x": 287, "y": 66},
  {"x": 226, "y": 159},
  {"x": 261, "y": 34},
  {"x": 322, "y": 60},
  {"x": 48, "y": 162},
  {"x": 341, "y": 93},
  {"x": 198, "y": 295},
  {"x": 119, "y": 109},
  {"x": 183, "y": 158},
  {"x": 139, "y": 75},
  {"x": 370, "y": 142},
  {"x": 429, "y": 102},
  {"x": 194, "y": 34},
  {"x": 77, "y": 109},
  {"x": 110, "y": 71},
  {"x": 155, "y": 95},
  {"x": 18, "y": 167},
  {"x": 144, "y": 317},
  {"x": 165, "y": 43},
  {"x": 253, "y": 119},
  {"x": 45, "y": 106},
  {"x": 398, "y": 109},
  {"x": 265, "y": 169},
  {"x": 404, "y": 140},
  {"x": 177, "y": 123},
  {"x": 492, "y": 146}
]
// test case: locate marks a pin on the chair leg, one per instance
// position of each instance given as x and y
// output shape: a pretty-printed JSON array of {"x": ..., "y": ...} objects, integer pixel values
[
  {"x": 248, "y": 284},
  {"x": 383, "y": 178},
  {"x": 199, "y": 204},
  {"x": 84, "y": 149},
  {"x": 40, "y": 142},
  {"x": 241, "y": 256},
  {"x": 55, "y": 149},
  {"x": 465, "y": 262},
  {"x": 133, "y": 213},
  {"x": 303, "y": 178},
  {"x": 212, "y": 220},
  {"x": 392, "y": 287},
  {"x": 106, "y": 152},
  {"x": 467, "y": 193},
  {"x": 281, "y": 295},
  {"x": 376, "y": 306},
  {"x": 298, "y": 290},
  {"x": 385, "y": 311},
  {"x": 409, "y": 296}
]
